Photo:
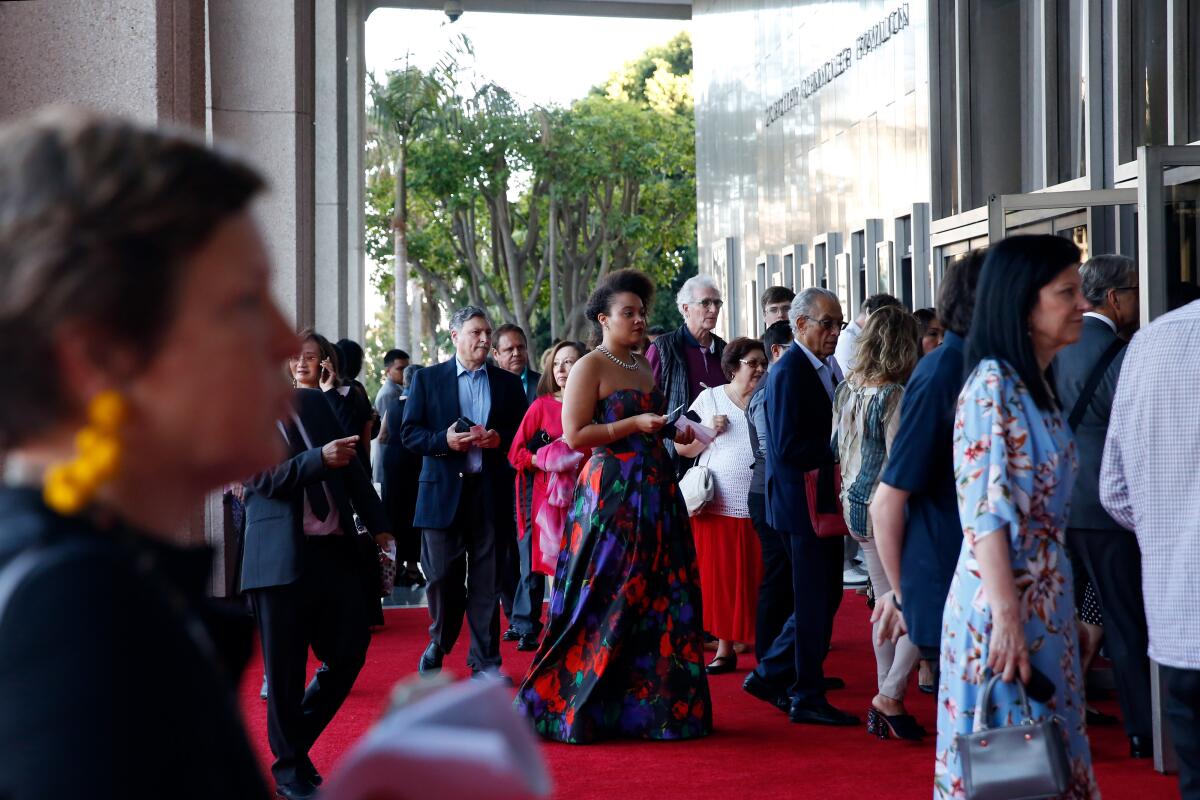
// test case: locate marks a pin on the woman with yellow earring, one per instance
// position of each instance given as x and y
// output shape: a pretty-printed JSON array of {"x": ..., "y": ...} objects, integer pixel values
[{"x": 132, "y": 280}]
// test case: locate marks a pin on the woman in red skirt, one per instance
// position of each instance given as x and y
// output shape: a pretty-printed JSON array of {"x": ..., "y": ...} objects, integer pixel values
[{"x": 727, "y": 548}]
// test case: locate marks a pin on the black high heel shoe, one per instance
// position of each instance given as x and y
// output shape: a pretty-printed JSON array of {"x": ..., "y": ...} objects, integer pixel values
[
  {"x": 902, "y": 726},
  {"x": 722, "y": 664}
]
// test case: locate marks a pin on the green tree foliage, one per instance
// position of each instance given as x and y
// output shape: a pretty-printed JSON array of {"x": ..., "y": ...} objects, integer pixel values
[{"x": 521, "y": 210}]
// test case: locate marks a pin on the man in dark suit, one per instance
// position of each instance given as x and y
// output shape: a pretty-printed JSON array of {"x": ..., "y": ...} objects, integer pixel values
[
  {"x": 1109, "y": 553},
  {"x": 519, "y": 588},
  {"x": 465, "y": 500},
  {"x": 303, "y": 570},
  {"x": 799, "y": 405}
]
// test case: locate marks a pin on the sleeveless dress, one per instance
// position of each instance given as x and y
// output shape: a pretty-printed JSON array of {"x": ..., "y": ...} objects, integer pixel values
[{"x": 622, "y": 654}]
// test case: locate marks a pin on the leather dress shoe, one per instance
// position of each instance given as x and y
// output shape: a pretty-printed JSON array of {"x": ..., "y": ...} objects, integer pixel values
[
  {"x": 820, "y": 712},
  {"x": 757, "y": 687},
  {"x": 431, "y": 659},
  {"x": 528, "y": 642},
  {"x": 1141, "y": 747},
  {"x": 296, "y": 790},
  {"x": 511, "y": 635},
  {"x": 832, "y": 683}
]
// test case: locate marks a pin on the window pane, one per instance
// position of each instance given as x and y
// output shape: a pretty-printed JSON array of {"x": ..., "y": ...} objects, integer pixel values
[{"x": 1072, "y": 89}]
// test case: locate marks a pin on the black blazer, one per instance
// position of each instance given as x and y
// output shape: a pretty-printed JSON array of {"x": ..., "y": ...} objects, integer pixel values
[
  {"x": 798, "y": 437},
  {"x": 1072, "y": 367},
  {"x": 430, "y": 410},
  {"x": 273, "y": 554},
  {"x": 156, "y": 701}
]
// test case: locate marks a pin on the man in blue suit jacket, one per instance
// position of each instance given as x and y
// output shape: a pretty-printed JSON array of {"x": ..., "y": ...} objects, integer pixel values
[
  {"x": 304, "y": 571},
  {"x": 799, "y": 405},
  {"x": 465, "y": 499}
]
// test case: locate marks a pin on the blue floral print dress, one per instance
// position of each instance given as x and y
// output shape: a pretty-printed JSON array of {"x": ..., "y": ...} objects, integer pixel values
[
  {"x": 623, "y": 650},
  {"x": 1014, "y": 466}
]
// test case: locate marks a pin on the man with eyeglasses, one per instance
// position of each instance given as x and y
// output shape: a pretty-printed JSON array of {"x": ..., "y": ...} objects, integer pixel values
[
  {"x": 688, "y": 359},
  {"x": 1085, "y": 375},
  {"x": 799, "y": 408}
]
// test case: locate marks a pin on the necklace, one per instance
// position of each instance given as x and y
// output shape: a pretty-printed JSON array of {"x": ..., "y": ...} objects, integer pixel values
[{"x": 631, "y": 367}]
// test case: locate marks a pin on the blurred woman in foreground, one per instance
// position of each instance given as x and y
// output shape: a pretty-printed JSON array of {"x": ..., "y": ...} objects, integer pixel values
[{"x": 132, "y": 281}]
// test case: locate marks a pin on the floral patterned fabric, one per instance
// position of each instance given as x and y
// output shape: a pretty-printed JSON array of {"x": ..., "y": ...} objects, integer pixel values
[
  {"x": 622, "y": 654},
  {"x": 1014, "y": 466}
]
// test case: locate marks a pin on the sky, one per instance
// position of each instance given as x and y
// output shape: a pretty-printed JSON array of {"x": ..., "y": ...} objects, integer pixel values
[{"x": 541, "y": 59}]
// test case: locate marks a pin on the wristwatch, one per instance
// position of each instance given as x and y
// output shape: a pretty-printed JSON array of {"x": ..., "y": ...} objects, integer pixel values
[{"x": 896, "y": 602}]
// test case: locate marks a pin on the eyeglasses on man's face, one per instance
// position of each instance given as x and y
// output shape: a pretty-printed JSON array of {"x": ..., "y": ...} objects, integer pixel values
[
  {"x": 710, "y": 302},
  {"x": 827, "y": 323}
]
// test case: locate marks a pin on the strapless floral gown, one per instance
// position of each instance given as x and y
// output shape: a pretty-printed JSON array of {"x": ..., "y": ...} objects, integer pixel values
[{"x": 622, "y": 654}]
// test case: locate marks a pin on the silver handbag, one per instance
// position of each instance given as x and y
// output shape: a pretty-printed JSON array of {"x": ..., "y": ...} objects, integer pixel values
[{"x": 1019, "y": 762}]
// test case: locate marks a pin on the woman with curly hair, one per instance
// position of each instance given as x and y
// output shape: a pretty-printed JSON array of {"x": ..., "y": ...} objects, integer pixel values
[
  {"x": 866, "y": 415},
  {"x": 622, "y": 654}
]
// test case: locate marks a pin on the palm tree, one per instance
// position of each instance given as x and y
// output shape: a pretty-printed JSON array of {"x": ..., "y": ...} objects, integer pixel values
[{"x": 402, "y": 110}]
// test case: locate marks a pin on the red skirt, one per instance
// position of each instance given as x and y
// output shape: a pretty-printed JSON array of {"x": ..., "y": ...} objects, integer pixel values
[{"x": 730, "y": 561}]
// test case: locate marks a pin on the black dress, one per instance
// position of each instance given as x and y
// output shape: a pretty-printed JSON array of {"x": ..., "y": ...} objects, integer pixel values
[
  {"x": 401, "y": 468},
  {"x": 117, "y": 674}
]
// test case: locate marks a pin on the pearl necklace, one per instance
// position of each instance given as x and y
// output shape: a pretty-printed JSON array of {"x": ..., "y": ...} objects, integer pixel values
[{"x": 631, "y": 367}]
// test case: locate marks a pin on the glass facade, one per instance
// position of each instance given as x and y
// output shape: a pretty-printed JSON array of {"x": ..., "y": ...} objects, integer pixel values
[{"x": 814, "y": 116}]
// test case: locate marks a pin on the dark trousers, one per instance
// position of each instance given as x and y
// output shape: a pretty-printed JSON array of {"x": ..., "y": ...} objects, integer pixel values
[
  {"x": 775, "y": 597},
  {"x": 460, "y": 567},
  {"x": 1183, "y": 717},
  {"x": 1114, "y": 564},
  {"x": 530, "y": 592},
  {"x": 797, "y": 655},
  {"x": 324, "y": 610}
]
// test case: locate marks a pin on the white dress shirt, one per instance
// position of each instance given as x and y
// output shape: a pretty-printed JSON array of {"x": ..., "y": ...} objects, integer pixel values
[
  {"x": 847, "y": 346},
  {"x": 1148, "y": 477},
  {"x": 827, "y": 369}
]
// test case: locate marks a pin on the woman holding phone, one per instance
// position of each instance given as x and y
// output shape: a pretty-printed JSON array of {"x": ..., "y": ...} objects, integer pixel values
[{"x": 622, "y": 655}]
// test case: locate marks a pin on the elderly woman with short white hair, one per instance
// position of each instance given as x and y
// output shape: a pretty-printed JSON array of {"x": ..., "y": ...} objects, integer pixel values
[{"x": 688, "y": 360}]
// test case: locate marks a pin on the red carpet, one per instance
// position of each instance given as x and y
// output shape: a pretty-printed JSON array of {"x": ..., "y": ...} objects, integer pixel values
[{"x": 754, "y": 751}]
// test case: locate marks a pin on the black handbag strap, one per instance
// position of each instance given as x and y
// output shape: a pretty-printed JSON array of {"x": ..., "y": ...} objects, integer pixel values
[{"x": 1093, "y": 383}]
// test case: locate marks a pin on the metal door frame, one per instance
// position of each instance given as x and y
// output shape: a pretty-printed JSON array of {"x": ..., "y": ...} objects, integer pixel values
[{"x": 1151, "y": 162}]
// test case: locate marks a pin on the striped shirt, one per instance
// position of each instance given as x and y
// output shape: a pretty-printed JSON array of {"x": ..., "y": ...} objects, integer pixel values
[{"x": 1148, "y": 477}]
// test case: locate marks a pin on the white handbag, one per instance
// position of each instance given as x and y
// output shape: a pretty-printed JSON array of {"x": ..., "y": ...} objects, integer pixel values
[{"x": 696, "y": 485}]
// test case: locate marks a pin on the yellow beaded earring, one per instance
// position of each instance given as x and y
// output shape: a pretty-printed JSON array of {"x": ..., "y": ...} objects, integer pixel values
[{"x": 72, "y": 485}]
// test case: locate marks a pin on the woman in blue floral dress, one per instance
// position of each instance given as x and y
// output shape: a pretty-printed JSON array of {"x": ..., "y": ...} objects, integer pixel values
[
  {"x": 623, "y": 652},
  {"x": 1010, "y": 607}
]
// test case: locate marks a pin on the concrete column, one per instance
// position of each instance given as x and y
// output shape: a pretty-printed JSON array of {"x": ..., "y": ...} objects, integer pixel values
[
  {"x": 261, "y": 60},
  {"x": 330, "y": 222},
  {"x": 139, "y": 58},
  {"x": 355, "y": 121}
]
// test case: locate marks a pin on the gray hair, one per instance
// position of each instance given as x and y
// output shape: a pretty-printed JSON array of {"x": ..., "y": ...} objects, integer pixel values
[
  {"x": 460, "y": 317},
  {"x": 802, "y": 306},
  {"x": 410, "y": 371},
  {"x": 687, "y": 292},
  {"x": 1104, "y": 272}
]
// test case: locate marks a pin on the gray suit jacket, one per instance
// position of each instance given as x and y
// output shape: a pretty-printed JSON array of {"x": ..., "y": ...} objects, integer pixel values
[{"x": 1072, "y": 367}]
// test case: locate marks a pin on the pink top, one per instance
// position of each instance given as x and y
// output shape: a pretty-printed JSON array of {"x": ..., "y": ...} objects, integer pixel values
[{"x": 544, "y": 416}]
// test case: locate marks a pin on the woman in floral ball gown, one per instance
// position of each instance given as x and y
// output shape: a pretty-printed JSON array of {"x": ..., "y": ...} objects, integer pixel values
[
  {"x": 622, "y": 656},
  {"x": 1011, "y": 606}
]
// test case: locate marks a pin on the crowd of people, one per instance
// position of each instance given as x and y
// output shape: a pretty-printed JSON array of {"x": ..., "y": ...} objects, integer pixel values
[{"x": 1005, "y": 471}]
